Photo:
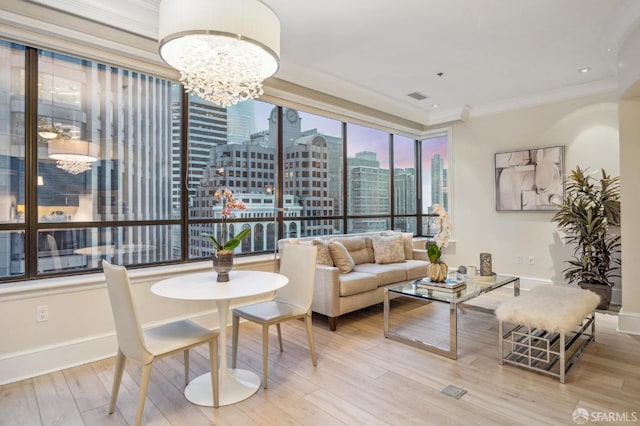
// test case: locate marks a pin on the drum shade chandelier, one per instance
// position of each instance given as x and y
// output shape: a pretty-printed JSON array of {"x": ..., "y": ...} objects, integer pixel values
[{"x": 223, "y": 49}]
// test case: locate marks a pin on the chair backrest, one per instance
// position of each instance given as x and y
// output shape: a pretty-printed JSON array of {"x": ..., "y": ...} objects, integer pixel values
[
  {"x": 125, "y": 315},
  {"x": 298, "y": 263}
]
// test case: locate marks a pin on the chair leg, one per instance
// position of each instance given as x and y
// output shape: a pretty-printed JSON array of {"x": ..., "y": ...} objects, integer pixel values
[
  {"x": 213, "y": 358},
  {"x": 312, "y": 347},
  {"x": 265, "y": 351},
  {"x": 279, "y": 336},
  {"x": 117, "y": 378},
  {"x": 234, "y": 339},
  {"x": 144, "y": 384},
  {"x": 186, "y": 368}
]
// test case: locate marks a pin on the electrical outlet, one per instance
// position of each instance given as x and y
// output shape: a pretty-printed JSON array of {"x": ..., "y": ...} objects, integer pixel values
[
  {"x": 42, "y": 313},
  {"x": 532, "y": 260},
  {"x": 519, "y": 260}
]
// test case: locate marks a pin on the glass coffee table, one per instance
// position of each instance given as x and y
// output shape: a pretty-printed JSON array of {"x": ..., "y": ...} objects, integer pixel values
[{"x": 471, "y": 290}]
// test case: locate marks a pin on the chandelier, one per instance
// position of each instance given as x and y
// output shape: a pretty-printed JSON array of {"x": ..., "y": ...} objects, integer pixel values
[
  {"x": 223, "y": 49},
  {"x": 72, "y": 155}
]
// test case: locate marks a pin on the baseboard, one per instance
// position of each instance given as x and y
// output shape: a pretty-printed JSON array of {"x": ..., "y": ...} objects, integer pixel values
[
  {"x": 35, "y": 362},
  {"x": 47, "y": 359},
  {"x": 628, "y": 322}
]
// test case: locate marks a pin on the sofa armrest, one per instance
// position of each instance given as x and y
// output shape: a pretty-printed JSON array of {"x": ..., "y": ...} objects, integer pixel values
[
  {"x": 326, "y": 291},
  {"x": 420, "y": 254}
]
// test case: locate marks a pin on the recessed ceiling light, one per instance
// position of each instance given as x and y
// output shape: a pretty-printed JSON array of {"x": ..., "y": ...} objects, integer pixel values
[
  {"x": 584, "y": 70},
  {"x": 435, "y": 105}
]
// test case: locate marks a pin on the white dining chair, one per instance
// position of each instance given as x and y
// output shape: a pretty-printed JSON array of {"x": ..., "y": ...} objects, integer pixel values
[
  {"x": 298, "y": 263},
  {"x": 145, "y": 346}
]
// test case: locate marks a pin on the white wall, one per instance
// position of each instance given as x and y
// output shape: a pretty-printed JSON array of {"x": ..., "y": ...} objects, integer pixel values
[
  {"x": 80, "y": 328},
  {"x": 629, "y": 317},
  {"x": 629, "y": 76},
  {"x": 587, "y": 127}
]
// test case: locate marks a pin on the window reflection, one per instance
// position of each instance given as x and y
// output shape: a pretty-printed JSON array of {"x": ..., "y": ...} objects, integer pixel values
[
  {"x": 12, "y": 138},
  {"x": 61, "y": 250},
  {"x": 116, "y": 122}
]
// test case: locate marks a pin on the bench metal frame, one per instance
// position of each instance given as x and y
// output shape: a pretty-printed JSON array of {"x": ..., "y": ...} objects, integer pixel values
[{"x": 540, "y": 350}]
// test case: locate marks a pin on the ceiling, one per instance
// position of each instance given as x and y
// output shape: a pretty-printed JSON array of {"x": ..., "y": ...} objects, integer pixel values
[{"x": 466, "y": 56}]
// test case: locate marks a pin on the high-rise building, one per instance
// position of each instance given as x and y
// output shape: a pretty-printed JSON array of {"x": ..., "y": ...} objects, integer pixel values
[
  {"x": 248, "y": 169},
  {"x": 436, "y": 179},
  {"x": 368, "y": 191},
  {"x": 240, "y": 122}
]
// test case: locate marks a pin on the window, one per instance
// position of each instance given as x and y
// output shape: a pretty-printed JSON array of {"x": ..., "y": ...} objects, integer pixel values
[
  {"x": 367, "y": 178},
  {"x": 404, "y": 184},
  {"x": 113, "y": 172},
  {"x": 309, "y": 136},
  {"x": 249, "y": 140},
  {"x": 435, "y": 174},
  {"x": 96, "y": 131},
  {"x": 12, "y": 161}
]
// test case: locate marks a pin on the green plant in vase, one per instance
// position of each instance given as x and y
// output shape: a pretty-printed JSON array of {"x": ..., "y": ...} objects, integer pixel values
[{"x": 437, "y": 269}]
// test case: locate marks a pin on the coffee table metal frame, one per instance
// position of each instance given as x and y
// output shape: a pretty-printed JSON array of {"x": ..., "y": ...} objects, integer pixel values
[{"x": 455, "y": 299}]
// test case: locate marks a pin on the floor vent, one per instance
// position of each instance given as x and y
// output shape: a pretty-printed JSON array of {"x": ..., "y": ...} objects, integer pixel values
[{"x": 454, "y": 391}]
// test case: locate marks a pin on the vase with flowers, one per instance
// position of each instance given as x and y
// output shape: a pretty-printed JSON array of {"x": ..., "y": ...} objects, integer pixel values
[
  {"x": 437, "y": 269},
  {"x": 223, "y": 248}
]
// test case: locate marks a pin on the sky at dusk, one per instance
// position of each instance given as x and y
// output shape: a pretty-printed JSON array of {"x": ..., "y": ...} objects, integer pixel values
[{"x": 361, "y": 138}]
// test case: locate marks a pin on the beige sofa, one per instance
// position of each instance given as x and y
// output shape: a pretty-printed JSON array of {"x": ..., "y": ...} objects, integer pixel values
[{"x": 354, "y": 269}]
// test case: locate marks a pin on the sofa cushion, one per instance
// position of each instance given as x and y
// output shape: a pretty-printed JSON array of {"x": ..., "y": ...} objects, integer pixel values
[
  {"x": 388, "y": 249},
  {"x": 415, "y": 268},
  {"x": 385, "y": 274},
  {"x": 341, "y": 257},
  {"x": 356, "y": 282},
  {"x": 357, "y": 248}
]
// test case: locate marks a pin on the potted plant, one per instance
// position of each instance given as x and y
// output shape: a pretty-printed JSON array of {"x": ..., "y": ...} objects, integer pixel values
[
  {"x": 223, "y": 254},
  {"x": 589, "y": 208}
]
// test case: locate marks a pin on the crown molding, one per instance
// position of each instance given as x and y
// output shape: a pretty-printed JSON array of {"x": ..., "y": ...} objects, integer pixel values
[
  {"x": 140, "y": 14},
  {"x": 562, "y": 94}
]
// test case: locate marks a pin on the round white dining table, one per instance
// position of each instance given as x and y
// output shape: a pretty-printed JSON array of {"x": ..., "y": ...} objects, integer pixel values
[{"x": 235, "y": 384}]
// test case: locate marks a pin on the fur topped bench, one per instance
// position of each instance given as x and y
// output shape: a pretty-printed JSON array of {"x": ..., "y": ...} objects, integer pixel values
[{"x": 543, "y": 319}]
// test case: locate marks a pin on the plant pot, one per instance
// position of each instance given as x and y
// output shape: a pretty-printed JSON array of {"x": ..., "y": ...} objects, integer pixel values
[
  {"x": 222, "y": 264},
  {"x": 437, "y": 271},
  {"x": 602, "y": 290}
]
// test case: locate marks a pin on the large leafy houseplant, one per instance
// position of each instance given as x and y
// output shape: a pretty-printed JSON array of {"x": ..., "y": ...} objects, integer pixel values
[{"x": 589, "y": 208}]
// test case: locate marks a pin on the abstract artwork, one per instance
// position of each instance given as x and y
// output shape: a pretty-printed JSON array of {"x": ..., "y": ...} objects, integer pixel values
[{"x": 529, "y": 179}]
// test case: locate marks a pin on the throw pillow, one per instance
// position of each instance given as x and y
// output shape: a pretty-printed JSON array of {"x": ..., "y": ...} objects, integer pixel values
[
  {"x": 324, "y": 255},
  {"x": 388, "y": 249},
  {"x": 341, "y": 257},
  {"x": 407, "y": 242}
]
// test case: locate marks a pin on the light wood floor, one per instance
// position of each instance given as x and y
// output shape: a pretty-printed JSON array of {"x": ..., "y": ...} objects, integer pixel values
[{"x": 361, "y": 379}]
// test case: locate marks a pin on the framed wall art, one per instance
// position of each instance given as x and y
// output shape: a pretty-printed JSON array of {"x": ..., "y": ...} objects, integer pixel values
[{"x": 529, "y": 179}]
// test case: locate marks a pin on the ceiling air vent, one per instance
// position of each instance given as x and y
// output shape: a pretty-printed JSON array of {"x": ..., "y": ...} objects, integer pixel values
[{"x": 417, "y": 96}]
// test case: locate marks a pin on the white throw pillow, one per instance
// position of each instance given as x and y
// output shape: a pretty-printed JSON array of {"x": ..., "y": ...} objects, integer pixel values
[{"x": 388, "y": 249}]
